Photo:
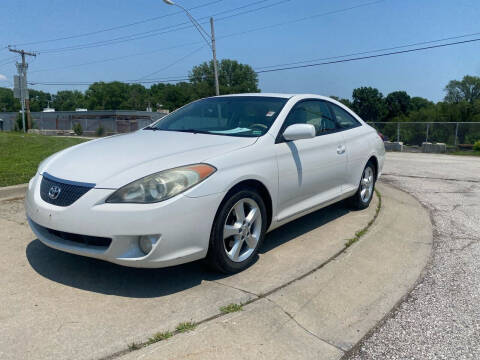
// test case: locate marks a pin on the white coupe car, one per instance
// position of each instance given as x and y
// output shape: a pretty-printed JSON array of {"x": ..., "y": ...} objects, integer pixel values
[{"x": 207, "y": 181}]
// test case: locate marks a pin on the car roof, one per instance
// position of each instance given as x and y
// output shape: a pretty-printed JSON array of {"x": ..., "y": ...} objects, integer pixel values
[
  {"x": 285, "y": 96},
  {"x": 278, "y": 95}
]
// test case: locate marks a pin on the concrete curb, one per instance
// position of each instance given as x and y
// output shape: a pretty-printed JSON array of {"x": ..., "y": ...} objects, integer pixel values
[
  {"x": 14, "y": 191},
  {"x": 306, "y": 296},
  {"x": 329, "y": 310}
]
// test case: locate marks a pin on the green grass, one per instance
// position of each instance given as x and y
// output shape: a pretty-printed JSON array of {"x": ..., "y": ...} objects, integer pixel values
[
  {"x": 465, "y": 152},
  {"x": 159, "y": 337},
  {"x": 363, "y": 231},
  {"x": 21, "y": 153},
  {"x": 134, "y": 346},
  {"x": 185, "y": 326},
  {"x": 231, "y": 308}
]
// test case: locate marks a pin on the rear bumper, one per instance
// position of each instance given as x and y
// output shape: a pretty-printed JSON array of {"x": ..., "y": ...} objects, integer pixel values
[{"x": 183, "y": 223}]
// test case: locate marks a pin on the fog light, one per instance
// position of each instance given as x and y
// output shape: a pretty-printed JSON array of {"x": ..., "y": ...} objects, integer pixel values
[{"x": 146, "y": 242}]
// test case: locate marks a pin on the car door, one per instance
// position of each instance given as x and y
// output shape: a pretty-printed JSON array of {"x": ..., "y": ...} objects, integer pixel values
[
  {"x": 357, "y": 145},
  {"x": 310, "y": 171}
]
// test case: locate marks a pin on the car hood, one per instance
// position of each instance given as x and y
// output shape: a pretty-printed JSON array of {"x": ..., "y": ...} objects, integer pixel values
[{"x": 118, "y": 160}]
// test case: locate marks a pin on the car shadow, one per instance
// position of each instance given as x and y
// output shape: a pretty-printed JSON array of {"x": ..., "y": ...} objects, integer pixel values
[
  {"x": 106, "y": 278},
  {"x": 303, "y": 225}
]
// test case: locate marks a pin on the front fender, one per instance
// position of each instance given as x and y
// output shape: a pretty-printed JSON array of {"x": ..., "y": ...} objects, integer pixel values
[{"x": 251, "y": 163}]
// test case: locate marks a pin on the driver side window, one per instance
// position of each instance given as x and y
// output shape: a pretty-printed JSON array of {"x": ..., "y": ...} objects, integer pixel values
[{"x": 314, "y": 112}]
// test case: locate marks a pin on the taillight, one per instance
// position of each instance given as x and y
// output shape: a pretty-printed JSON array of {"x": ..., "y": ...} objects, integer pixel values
[{"x": 381, "y": 135}]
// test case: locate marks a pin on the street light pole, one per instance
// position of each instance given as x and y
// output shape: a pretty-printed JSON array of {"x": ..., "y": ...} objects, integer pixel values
[
  {"x": 214, "y": 53},
  {"x": 209, "y": 39}
]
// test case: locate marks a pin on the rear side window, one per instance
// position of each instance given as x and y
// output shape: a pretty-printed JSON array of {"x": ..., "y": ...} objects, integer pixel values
[
  {"x": 314, "y": 112},
  {"x": 343, "y": 119}
]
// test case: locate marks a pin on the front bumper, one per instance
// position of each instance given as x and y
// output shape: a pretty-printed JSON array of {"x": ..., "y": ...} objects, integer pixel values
[{"x": 183, "y": 223}]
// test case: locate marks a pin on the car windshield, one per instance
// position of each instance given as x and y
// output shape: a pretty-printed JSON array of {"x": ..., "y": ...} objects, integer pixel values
[{"x": 245, "y": 116}]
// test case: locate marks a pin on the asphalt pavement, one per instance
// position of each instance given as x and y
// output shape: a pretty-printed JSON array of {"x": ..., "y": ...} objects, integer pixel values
[{"x": 440, "y": 318}]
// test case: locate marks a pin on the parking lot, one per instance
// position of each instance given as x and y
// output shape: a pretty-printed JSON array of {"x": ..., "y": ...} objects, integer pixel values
[
  {"x": 307, "y": 296},
  {"x": 440, "y": 319}
]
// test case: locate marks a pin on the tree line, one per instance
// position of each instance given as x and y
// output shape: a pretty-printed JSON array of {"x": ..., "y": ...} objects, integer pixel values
[
  {"x": 233, "y": 78},
  {"x": 461, "y": 102}
]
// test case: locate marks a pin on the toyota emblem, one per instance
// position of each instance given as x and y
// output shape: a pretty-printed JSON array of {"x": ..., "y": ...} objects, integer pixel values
[{"x": 54, "y": 192}]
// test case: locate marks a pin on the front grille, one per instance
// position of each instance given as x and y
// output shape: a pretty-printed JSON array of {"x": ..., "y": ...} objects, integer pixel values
[
  {"x": 87, "y": 240},
  {"x": 62, "y": 192},
  {"x": 82, "y": 239}
]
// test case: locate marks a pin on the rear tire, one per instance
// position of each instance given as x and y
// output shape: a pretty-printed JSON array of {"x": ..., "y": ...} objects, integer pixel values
[
  {"x": 362, "y": 198},
  {"x": 238, "y": 231}
]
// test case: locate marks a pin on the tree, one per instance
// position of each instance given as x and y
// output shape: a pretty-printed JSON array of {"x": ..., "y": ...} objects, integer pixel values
[
  {"x": 345, "y": 102},
  {"x": 417, "y": 103},
  {"x": 67, "y": 100},
  {"x": 107, "y": 96},
  {"x": 397, "y": 103},
  {"x": 233, "y": 78},
  {"x": 171, "y": 96},
  {"x": 137, "y": 98},
  {"x": 7, "y": 101},
  {"x": 468, "y": 89},
  {"x": 38, "y": 99},
  {"x": 369, "y": 103}
]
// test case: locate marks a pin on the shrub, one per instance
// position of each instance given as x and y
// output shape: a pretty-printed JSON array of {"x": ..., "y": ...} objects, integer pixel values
[
  {"x": 100, "y": 131},
  {"x": 476, "y": 146},
  {"x": 19, "y": 123},
  {"x": 77, "y": 129}
]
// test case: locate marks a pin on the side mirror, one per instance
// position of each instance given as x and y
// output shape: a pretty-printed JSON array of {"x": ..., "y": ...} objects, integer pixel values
[{"x": 299, "y": 131}]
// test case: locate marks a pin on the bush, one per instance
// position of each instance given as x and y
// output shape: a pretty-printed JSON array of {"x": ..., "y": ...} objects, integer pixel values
[
  {"x": 476, "y": 146},
  {"x": 100, "y": 131},
  {"x": 77, "y": 129},
  {"x": 19, "y": 123}
]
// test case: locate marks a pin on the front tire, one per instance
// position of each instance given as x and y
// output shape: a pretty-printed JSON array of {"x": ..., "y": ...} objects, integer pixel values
[
  {"x": 238, "y": 232},
  {"x": 362, "y": 198}
]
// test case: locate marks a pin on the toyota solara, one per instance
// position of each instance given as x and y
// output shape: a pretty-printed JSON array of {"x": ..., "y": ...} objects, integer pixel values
[{"x": 207, "y": 181}]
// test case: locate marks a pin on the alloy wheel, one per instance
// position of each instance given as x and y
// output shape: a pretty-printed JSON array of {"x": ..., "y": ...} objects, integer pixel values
[
  {"x": 242, "y": 230},
  {"x": 366, "y": 184}
]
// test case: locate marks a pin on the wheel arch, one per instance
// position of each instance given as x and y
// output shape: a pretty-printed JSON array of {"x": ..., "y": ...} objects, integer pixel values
[
  {"x": 373, "y": 159},
  {"x": 261, "y": 189}
]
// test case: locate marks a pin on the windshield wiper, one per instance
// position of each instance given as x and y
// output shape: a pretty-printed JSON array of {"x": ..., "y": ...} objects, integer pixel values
[
  {"x": 194, "y": 131},
  {"x": 151, "y": 128}
]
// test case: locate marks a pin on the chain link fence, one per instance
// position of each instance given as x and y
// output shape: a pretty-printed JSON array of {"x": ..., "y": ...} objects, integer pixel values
[
  {"x": 112, "y": 121},
  {"x": 415, "y": 133}
]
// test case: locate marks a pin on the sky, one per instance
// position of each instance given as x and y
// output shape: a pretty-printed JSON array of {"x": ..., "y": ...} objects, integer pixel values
[{"x": 271, "y": 32}]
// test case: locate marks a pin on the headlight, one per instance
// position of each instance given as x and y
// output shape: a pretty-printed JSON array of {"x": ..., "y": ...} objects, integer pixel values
[{"x": 163, "y": 185}]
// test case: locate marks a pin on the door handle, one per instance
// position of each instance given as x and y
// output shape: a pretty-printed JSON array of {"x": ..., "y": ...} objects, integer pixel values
[{"x": 340, "y": 149}]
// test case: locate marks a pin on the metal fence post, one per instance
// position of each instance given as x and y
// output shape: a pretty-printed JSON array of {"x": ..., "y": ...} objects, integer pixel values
[
  {"x": 398, "y": 132},
  {"x": 428, "y": 128},
  {"x": 456, "y": 134}
]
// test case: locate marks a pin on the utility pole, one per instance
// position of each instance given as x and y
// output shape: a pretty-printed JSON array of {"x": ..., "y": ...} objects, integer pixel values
[
  {"x": 209, "y": 39},
  {"x": 22, "y": 73},
  {"x": 214, "y": 52}
]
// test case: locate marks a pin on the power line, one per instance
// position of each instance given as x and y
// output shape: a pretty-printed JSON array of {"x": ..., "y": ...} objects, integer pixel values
[
  {"x": 7, "y": 61},
  {"x": 221, "y": 37},
  {"x": 303, "y": 19},
  {"x": 294, "y": 67},
  {"x": 261, "y": 67},
  {"x": 171, "y": 64},
  {"x": 251, "y": 10},
  {"x": 369, "y": 57},
  {"x": 118, "y": 26},
  {"x": 158, "y": 31},
  {"x": 369, "y": 51},
  {"x": 115, "y": 58},
  {"x": 90, "y": 83}
]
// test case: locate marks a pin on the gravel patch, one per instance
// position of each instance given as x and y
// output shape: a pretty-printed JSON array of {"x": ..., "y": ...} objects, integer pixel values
[{"x": 440, "y": 319}]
